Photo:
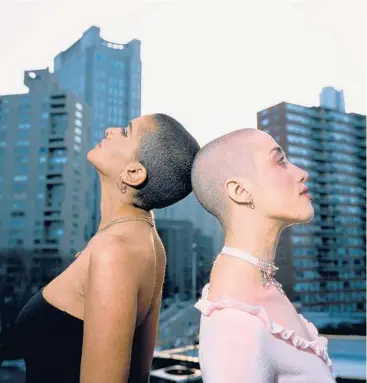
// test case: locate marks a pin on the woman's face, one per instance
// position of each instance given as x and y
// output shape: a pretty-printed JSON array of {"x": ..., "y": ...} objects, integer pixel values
[
  {"x": 280, "y": 185},
  {"x": 120, "y": 147}
]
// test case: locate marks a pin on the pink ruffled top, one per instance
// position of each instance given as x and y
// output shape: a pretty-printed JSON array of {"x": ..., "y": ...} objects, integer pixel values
[{"x": 241, "y": 344}]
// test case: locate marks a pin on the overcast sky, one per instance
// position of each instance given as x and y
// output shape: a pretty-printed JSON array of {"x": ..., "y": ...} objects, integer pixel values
[{"x": 211, "y": 64}]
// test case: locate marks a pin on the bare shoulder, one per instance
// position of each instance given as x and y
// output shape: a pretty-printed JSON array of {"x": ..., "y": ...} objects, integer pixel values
[
  {"x": 119, "y": 246},
  {"x": 118, "y": 255}
]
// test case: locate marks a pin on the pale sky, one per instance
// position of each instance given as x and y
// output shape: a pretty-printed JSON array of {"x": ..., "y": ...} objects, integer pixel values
[{"x": 210, "y": 64}]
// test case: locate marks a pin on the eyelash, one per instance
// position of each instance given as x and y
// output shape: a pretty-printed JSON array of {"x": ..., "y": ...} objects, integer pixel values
[{"x": 283, "y": 162}]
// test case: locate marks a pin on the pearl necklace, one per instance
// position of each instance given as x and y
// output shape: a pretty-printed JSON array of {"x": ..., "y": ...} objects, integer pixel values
[{"x": 267, "y": 270}]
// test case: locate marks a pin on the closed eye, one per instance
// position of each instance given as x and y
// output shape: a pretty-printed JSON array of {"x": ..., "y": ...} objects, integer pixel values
[{"x": 283, "y": 161}]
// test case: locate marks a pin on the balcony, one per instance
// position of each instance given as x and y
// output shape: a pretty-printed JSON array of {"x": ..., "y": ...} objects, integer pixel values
[
  {"x": 54, "y": 179},
  {"x": 52, "y": 206},
  {"x": 52, "y": 216},
  {"x": 55, "y": 169},
  {"x": 56, "y": 143}
]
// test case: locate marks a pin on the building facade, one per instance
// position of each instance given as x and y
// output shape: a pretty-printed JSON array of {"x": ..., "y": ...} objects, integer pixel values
[
  {"x": 190, "y": 209},
  {"x": 43, "y": 168},
  {"x": 178, "y": 239},
  {"x": 323, "y": 263},
  {"x": 106, "y": 76}
]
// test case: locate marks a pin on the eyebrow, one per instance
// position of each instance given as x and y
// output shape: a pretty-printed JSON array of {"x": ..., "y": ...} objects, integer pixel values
[
  {"x": 277, "y": 149},
  {"x": 130, "y": 126}
]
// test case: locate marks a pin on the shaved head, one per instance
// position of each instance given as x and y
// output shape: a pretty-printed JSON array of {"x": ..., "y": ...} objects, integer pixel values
[
  {"x": 245, "y": 174},
  {"x": 232, "y": 155}
]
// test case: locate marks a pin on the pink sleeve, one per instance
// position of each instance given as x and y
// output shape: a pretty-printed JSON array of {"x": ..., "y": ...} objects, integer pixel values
[{"x": 234, "y": 347}]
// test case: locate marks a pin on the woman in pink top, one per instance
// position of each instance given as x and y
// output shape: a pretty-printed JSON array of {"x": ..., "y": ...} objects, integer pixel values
[{"x": 250, "y": 331}]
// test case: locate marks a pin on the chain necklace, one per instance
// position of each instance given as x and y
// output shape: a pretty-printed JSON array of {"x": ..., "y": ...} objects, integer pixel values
[
  {"x": 149, "y": 220},
  {"x": 267, "y": 270}
]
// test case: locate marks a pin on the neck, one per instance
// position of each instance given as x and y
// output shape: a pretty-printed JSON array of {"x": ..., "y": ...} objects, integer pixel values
[
  {"x": 114, "y": 204},
  {"x": 254, "y": 235}
]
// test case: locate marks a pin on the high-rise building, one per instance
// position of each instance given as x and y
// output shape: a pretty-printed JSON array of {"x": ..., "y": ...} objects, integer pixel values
[
  {"x": 331, "y": 98},
  {"x": 177, "y": 238},
  {"x": 190, "y": 209},
  {"x": 322, "y": 263},
  {"x": 43, "y": 168},
  {"x": 107, "y": 76}
]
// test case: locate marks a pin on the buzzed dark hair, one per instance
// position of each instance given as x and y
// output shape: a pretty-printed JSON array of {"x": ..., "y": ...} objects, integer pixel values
[{"x": 168, "y": 155}]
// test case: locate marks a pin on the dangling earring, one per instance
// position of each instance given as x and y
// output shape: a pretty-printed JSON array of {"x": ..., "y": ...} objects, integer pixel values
[{"x": 122, "y": 186}]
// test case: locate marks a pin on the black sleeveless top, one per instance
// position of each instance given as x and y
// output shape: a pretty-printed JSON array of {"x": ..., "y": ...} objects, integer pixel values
[{"x": 50, "y": 341}]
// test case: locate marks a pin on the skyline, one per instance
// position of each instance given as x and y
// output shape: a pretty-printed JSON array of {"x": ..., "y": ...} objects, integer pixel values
[{"x": 201, "y": 75}]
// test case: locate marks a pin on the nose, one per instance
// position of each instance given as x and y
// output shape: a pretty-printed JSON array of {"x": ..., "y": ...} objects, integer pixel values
[
  {"x": 108, "y": 133},
  {"x": 304, "y": 176}
]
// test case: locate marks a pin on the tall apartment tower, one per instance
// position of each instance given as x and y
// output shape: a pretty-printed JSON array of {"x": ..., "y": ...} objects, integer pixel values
[
  {"x": 322, "y": 263},
  {"x": 332, "y": 98},
  {"x": 43, "y": 168},
  {"x": 106, "y": 76}
]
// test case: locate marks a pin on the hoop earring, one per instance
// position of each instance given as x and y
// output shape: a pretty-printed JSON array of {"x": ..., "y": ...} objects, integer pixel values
[
  {"x": 122, "y": 186},
  {"x": 250, "y": 204}
]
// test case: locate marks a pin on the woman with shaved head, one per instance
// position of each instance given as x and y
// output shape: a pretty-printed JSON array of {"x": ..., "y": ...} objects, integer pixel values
[
  {"x": 97, "y": 321},
  {"x": 249, "y": 330}
]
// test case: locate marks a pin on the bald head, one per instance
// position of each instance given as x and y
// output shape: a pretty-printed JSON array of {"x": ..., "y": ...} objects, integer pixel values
[{"x": 232, "y": 155}]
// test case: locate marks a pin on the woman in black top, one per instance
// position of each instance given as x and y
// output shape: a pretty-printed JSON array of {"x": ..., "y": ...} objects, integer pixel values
[{"x": 97, "y": 321}]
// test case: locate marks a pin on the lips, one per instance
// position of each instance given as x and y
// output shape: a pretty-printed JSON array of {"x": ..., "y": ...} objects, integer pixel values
[{"x": 304, "y": 191}]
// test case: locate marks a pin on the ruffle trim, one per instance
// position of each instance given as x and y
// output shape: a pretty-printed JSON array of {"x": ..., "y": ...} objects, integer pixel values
[{"x": 318, "y": 345}]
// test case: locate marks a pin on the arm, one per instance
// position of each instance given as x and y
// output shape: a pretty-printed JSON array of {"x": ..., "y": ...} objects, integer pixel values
[
  {"x": 145, "y": 338},
  {"x": 110, "y": 310},
  {"x": 235, "y": 349}
]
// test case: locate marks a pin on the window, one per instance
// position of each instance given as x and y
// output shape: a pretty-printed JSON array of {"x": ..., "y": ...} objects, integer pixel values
[
  {"x": 300, "y": 161},
  {"x": 297, "y": 129},
  {"x": 344, "y": 157},
  {"x": 78, "y": 131},
  {"x": 20, "y": 178},
  {"x": 22, "y": 143},
  {"x": 299, "y": 151},
  {"x": 265, "y": 122},
  {"x": 348, "y": 168},
  {"x": 299, "y": 140},
  {"x": 18, "y": 205},
  {"x": 345, "y": 147},
  {"x": 298, "y": 118},
  {"x": 300, "y": 240},
  {"x": 341, "y": 137},
  {"x": 16, "y": 222},
  {"x": 24, "y": 126}
]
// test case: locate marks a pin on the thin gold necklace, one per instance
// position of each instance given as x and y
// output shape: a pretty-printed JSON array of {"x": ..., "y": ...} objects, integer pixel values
[{"x": 149, "y": 220}]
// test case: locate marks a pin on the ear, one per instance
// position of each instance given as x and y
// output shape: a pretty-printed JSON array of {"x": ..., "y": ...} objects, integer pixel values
[
  {"x": 134, "y": 174},
  {"x": 237, "y": 192}
]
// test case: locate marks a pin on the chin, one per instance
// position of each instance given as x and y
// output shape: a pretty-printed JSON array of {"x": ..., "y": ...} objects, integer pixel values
[
  {"x": 91, "y": 156},
  {"x": 302, "y": 216},
  {"x": 305, "y": 215}
]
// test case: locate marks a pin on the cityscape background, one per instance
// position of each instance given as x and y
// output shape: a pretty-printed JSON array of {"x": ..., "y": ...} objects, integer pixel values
[{"x": 302, "y": 80}]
